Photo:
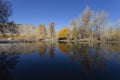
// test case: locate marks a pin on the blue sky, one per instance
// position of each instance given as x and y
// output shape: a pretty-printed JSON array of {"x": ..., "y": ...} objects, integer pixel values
[{"x": 61, "y": 12}]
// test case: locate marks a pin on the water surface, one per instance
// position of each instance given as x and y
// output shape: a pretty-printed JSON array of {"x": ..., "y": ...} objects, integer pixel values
[{"x": 60, "y": 61}]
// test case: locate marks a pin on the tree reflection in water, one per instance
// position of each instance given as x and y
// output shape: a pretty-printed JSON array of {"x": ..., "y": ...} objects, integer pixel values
[
  {"x": 89, "y": 56},
  {"x": 64, "y": 48},
  {"x": 7, "y": 63},
  {"x": 42, "y": 49},
  {"x": 51, "y": 50}
]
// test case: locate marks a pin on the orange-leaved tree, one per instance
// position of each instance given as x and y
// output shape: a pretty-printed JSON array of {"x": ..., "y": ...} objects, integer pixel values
[{"x": 64, "y": 33}]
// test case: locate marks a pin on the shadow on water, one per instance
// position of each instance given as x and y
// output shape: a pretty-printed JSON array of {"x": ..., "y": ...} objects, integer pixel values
[
  {"x": 49, "y": 60},
  {"x": 7, "y": 63}
]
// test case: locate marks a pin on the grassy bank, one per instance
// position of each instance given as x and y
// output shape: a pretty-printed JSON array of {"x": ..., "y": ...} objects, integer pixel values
[{"x": 8, "y": 39}]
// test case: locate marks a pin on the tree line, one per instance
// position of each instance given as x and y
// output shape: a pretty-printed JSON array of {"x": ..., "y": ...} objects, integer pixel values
[{"x": 89, "y": 26}]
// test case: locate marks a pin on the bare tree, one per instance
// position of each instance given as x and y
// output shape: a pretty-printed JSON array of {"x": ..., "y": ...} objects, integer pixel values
[
  {"x": 90, "y": 25},
  {"x": 100, "y": 21},
  {"x": 5, "y": 11},
  {"x": 9, "y": 28},
  {"x": 86, "y": 22},
  {"x": 83, "y": 23}
]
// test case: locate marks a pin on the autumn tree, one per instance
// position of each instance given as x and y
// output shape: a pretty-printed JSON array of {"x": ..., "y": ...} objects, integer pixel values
[
  {"x": 64, "y": 33},
  {"x": 52, "y": 30},
  {"x": 114, "y": 34},
  {"x": 42, "y": 30},
  {"x": 117, "y": 25}
]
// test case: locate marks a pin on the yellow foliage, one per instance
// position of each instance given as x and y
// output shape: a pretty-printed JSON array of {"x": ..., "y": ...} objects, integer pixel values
[
  {"x": 74, "y": 34},
  {"x": 115, "y": 34},
  {"x": 27, "y": 35},
  {"x": 64, "y": 33},
  {"x": 41, "y": 31},
  {"x": 64, "y": 48},
  {"x": 114, "y": 47}
]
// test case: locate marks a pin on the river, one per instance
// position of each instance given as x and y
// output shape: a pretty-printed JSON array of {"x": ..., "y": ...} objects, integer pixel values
[{"x": 59, "y": 61}]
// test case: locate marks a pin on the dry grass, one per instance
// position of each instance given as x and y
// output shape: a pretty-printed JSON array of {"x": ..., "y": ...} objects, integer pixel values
[{"x": 12, "y": 37}]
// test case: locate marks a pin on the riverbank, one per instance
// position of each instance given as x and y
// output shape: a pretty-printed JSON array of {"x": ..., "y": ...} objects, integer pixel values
[
  {"x": 17, "y": 41},
  {"x": 54, "y": 40},
  {"x": 81, "y": 40}
]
